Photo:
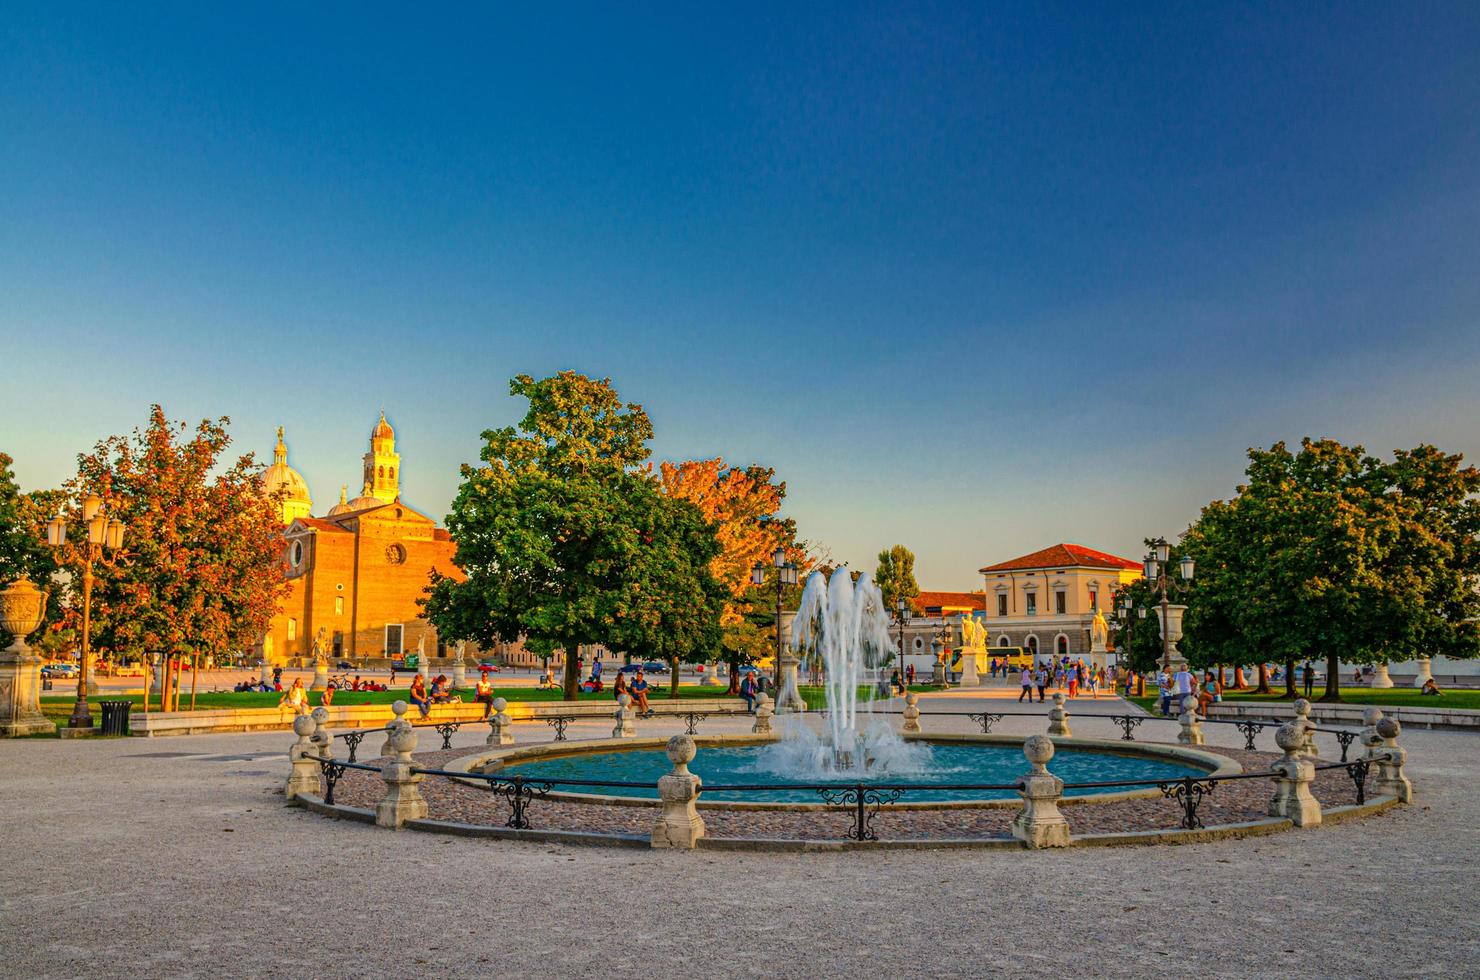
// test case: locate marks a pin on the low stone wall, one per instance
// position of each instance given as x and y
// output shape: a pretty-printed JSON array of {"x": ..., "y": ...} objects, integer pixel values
[
  {"x": 378, "y": 715},
  {"x": 1458, "y": 719}
]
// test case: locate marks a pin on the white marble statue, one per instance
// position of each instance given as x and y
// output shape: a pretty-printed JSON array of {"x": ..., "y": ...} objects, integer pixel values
[
  {"x": 320, "y": 656},
  {"x": 1099, "y": 632}
]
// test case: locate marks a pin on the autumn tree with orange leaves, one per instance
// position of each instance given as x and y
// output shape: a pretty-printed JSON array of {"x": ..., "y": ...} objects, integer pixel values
[
  {"x": 201, "y": 568},
  {"x": 741, "y": 503}
]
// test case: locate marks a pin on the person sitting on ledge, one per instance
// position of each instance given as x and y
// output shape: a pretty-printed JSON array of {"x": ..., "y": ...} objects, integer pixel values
[
  {"x": 328, "y": 696},
  {"x": 442, "y": 691},
  {"x": 296, "y": 697},
  {"x": 483, "y": 694},
  {"x": 1431, "y": 688},
  {"x": 418, "y": 695},
  {"x": 639, "y": 695},
  {"x": 619, "y": 686}
]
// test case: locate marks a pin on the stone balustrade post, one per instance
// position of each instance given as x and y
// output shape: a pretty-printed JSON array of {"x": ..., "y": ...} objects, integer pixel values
[
  {"x": 500, "y": 724},
  {"x": 403, "y": 800},
  {"x": 1039, "y": 823},
  {"x": 398, "y": 708},
  {"x": 1292, "y": 796},
  {"x": 1058, "y": 718},
  {"x": 323, "y": 742},
  {"x": 624, "y": 727},
  {"x": 304, "y": 777},
  {"x": 763, "y": 715},
  {"x": 1191, "y": 732},
  {"x": 679, "y": 824},
  {"x": 911, "y": 713},
  {"x": 1391, "y": 780}
]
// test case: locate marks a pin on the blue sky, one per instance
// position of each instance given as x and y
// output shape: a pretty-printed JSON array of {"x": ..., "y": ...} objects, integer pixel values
[{"x": 974, "y": 278}]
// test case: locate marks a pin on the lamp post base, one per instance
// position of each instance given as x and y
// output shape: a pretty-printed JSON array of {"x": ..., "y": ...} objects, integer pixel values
[
  {"x": 789, "y": 698},
  {"x": 68, "y": 731}
]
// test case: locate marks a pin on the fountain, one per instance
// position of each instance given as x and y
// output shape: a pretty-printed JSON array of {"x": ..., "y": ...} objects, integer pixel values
[{"x": 843, "y": 625}]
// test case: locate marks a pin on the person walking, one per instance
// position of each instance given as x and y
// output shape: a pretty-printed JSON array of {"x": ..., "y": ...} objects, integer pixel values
[
  {"x": 1027, "y": 681},
  {"x": 1040, "y": 680},
  {"x": 1310, "y": 678},
  {"x": 1164, "y": 688}
]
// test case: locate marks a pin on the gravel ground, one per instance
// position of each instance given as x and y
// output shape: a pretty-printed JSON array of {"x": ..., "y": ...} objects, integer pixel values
[{"x": 178, "y": 857}]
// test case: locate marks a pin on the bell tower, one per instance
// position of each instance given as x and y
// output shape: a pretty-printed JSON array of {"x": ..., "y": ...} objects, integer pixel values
[{"x": 383, "y": 463}]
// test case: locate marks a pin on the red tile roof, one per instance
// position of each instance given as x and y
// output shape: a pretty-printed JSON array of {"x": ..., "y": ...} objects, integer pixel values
[
  {"x": 951, "y": 600},
  {"x": 1064, "y": 556}
]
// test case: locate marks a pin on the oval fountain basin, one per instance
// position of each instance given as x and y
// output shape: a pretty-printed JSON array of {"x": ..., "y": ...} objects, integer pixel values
[{"x": 949, "y": 763}]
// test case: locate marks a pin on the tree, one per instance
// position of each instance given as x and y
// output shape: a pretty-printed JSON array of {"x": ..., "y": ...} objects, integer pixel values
[
  {"x": 566, "y": 542},
  {"x": 895, "y": 576},
  {"x": 201, "y": 570},
  {"x": 742, "y": 504},
  {"x": 24, "y": 552}
]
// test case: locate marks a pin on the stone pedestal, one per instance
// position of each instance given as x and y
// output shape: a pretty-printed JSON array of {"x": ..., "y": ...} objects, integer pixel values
[
  {"x": 403, "y": 800},
  {"x": 970, "y": 676},
  {"x": 1425, "y": 672},
  {"x": 320, "y": 676},
  {"x": 1307, "y": 728},
  {"x": 624, "y": 727},
  {"x": 1391, "y": 780},
  {"x": 459, "y": 675},
  {"x": 1039, "y": 823},
  {"x": 911, "y": 713},
  {"x": 1058, "y": 718},
  {"x": 22, "y": 607},
  {"x": 1380, "y": 677},
  {"x": 789, "y": 697},
  {"x": 679, "y": 824},
  {"x": 264, "y": 674},
  {"x": 500, "y": 725},
  {"x": 763, "y": 715},
  {"x": 1292, "y": 796},
  {"x": 304, "y": 778},
  {"x": 1191, "y": 732},
  {"x": 1099, "y": 656},
  {"x": 323, "y": 742}
]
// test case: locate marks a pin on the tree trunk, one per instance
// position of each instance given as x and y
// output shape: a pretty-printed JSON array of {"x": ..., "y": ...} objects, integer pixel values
[
  {"x": 734, "y": 674},
  {"x": 1333, "y": 678},
  {"x": 1239, "y": 680},
  {"x": 1263, "y": 687},
  {"x": 571, "y": 683},
  {"x": 193, "y": 675},
  {"x": 673, "y": 678},
  {"x": 1290, "y": 691}
]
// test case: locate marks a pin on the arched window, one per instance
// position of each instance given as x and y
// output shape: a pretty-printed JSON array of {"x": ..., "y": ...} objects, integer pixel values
[
  {"x": 1002, "y": 641},
  {"x": 1032, "y": 644},
  {"x": 381, "y": 471},
  {"x": 393, "y": 472},
  {"x": 1061, "y": 645}
]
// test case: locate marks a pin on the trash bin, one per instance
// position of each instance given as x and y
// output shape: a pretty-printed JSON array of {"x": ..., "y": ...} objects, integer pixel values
[{"x": 115, "y": 716}]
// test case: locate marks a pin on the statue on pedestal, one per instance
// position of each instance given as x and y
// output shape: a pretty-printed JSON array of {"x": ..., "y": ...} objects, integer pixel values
[{"x": 320, "y": 662}]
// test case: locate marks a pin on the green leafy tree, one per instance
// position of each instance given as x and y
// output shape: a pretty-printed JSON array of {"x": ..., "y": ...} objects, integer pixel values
[
  {"x": 895, "y": 576},
  {"x": 565, "y": 542}
]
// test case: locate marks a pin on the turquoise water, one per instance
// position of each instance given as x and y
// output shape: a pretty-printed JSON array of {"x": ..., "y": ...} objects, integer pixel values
[{"x": 949, "y": 763}]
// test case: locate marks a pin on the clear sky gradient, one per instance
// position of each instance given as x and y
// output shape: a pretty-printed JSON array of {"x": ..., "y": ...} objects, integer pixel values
[{"x": 973, "y": 278}]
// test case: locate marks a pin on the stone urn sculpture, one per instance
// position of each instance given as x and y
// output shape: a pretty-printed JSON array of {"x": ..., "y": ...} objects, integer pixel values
[
  {"x": 1171, "y": 631},
  {"x": 22, "y": 605}
]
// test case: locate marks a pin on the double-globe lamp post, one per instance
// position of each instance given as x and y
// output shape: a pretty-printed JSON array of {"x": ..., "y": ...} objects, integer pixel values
[
  {"x": 1156, "y": 571},
  {"x": 101, "y": 533},
  {"x": 786, "y": 574}
]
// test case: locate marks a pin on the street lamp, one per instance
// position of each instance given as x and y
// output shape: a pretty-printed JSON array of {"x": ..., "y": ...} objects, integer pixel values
[
  {"x": 102, "y": 532},
  {"x": 902, "y": 613},
  {"x": 1156, "y": 571},
  {"x": 786, "y": 574}
]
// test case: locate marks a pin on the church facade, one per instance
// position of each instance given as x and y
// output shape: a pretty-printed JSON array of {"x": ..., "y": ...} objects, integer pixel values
[{"x": 356, "y": 573}]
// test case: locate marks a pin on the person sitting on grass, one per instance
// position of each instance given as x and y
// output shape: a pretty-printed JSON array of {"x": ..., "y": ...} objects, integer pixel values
[
  {"x": 639, "y": 695},
  {"x": 1430, "y": 687},
  {"x": 418, "y": 695},
  {"x": 296, "y": 697}
]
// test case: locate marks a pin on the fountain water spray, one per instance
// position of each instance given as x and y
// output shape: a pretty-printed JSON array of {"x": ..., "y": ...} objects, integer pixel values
[{"x": 843, "y": 625}]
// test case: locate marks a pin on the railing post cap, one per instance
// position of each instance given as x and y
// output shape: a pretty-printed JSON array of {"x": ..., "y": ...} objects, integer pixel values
[
  {"x": 499, "y": 704},
  {"x": 1302, "y": 708},
  {"x": 1038, "y": 749},
  {"x": 1389, "y": 728},
  {"x": 321, "y": 715},
  {"x": 303, "y": 725},
  {"x": 398, "y": 708},
  {"x": 1372, "y": 715},
  {"x": 681, "y": 750}
]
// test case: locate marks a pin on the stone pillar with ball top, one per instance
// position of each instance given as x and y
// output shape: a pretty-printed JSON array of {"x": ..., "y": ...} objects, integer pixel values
[
  {"x": 1390, "y": 759},
  {"x": 1292, "y": 797},
  {"x": 1307, "y": 728},
  {"x": 624, "y": 727},
  {"x": 500, "y": 725},
  {"x": 403, "y": 800},
  {"x": 679, "y": 824},
  {"x": 1191, "y": 732},
  {"x": 323, "y": 742},
  {"x": 398, "y": 708},
  {"x": 1039, "y": 823},
  {"x": 1058, "y": 718},
  {"x": 911, "y": 713},
  {"x": 22, "y": 606},
  {"x": 304, "y": 778},
  {"x": 763, "y": 715}
]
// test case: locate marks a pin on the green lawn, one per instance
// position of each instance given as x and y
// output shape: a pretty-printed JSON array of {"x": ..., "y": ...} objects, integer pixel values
[
  {"x": 815, "y": 697},
  {"x": 1398, "y": 697}
]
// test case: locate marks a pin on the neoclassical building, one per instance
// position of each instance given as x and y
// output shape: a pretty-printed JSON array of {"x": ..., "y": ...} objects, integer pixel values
[
  {"x": 1046, "y": 601},
  {"x": 357, "y": 571}
]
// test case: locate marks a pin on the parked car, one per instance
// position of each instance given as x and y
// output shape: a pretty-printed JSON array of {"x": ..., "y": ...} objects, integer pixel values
[
  {"x": 491, "y": 666},
  {"x": 59, "y": 670},
  {"x": 655, "y": 667},
  {"x": 344, "y": 665}
]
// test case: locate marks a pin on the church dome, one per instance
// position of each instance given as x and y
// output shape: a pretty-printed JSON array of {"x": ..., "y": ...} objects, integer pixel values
[
  {"x": 281, "y": 476},
  {"x": 363, "y": 502},
  {"x": 382, "y": 429},
  {"x": 343, "y": 507}
]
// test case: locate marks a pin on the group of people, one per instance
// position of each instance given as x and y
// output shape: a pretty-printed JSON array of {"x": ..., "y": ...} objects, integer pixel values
[
  {"x": 637, "y": 691},
  {"x": 1072, "y": 677},
  {"x": 1173, "y": 687}
]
